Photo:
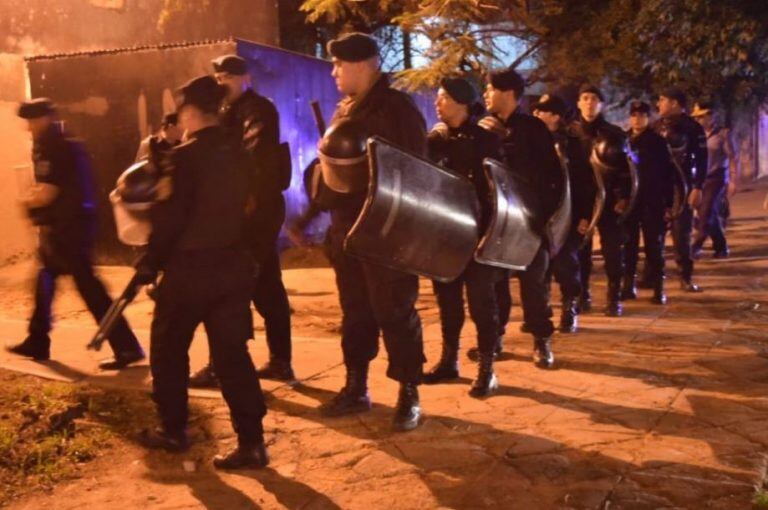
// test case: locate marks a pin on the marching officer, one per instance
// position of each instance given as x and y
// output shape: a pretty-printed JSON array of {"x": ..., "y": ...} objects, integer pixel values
[
  {"x": 252, "y": 121},
  {"x": 373, "y": 297},
  {"x": 688, "y": 143},
  {"x": 198, "y": 241},
  {"x": 591, "y": 127},
  {"x": 527, "y": 146},
  {"x": 460, "y": 145},
  {"x": 653, "y": 204},
  {"x": 565, "y": 267},
  {"x": 62, "y": 203}
]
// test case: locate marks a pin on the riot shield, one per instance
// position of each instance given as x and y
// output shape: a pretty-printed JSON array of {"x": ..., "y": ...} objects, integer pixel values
[
  {"x": 599, "y": 205},
  {"x": 559, "y": 225},
  {"x": 509, "y": 240},
  {"x": 417, "y": 217}
]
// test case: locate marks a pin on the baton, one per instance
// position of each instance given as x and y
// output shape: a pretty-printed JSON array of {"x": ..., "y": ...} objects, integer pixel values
[
  {"x": 318, "y": 113},
  {"x": 114, "y": 312}
]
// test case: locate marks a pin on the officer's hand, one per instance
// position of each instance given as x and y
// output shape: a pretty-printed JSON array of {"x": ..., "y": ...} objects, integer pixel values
[
  {"x": 296, "y": 235},
  {"x": 694, "y": 198},
  {"x": 668, "y": 214},
  {"x": 582, "y": 227},
  {"x": 621, "y": 206},
  {"x": 731, "y": 188}
]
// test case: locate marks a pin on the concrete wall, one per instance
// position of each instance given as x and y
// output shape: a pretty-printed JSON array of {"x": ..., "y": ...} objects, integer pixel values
[
  {"x": 17, "y": 234},
  {"x": 35, "y": 27}
]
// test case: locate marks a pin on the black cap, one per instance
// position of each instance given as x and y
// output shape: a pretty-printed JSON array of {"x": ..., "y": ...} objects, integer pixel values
[
  {"x": 203, "y": 92},
  {"x": 639, "y": 107},
  {"x": 675, "y": 93},
  {"x": 353, "y": 47},
  {"x": 507, "y": 79},
  {"x": 231, "y": 64},
  {"x": 588, "y": 88},
  {"x": 551, "y": 104},
  {"x": 36, "y": 108},
  {"x": 460, "y": 90},
  {"x": 170, "y": 119}
]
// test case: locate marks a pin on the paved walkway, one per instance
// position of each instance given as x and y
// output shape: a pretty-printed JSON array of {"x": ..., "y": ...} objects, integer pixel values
[{"x": 663, "y": 408}]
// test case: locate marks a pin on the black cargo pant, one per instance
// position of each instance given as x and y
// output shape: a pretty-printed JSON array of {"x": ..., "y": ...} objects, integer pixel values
[
  {"x": 271, "y": 301},
  {"x": 69, "y": 252},
  {"x": 212, "y": 288},
  {"x": 375, "y": 298},
  {"x": 612, "y": 239},
  {"x": 648, "y": 219},
  {"x": 709, "y": 221},
  {"x": 504, "y": 301},
  {"x": 565, "y": 267},
  {"x": 682, "y": 227},
  {"x": 480, "y": 281},
  {"x": 535, "y": 295}
]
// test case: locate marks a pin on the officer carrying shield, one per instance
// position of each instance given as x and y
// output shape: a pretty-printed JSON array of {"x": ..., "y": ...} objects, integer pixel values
[
  {"x": 460, "y": 145},
  {"x": 62, "y": 203},
  {"x": 198, "y": 241},
  {"x": 373, "y": 297},
  {"x": 565, "y": 267},
  {"x": 529, "y": 150}
]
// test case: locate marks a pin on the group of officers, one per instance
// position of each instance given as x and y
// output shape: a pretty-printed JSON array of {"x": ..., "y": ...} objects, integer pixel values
[{"x": 218, "y": 209}]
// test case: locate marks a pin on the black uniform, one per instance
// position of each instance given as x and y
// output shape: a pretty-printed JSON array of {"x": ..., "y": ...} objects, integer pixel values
[
  {"x": 528, "y": 147},
  {"x": 67, "y": 236},
  {"x": 618, "y": 187},
  {"x": 198, "y": 241},
  {"x": 654, "y": 197},
  {"x": 682, "y": 130},
  {"x": 253, "y": 122},
  {"x": 462, "y": 150},
  {"x": 374, "y": 297}
]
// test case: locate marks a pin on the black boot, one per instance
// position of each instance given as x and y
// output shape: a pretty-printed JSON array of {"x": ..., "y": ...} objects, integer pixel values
[
  {"x": 486, "y": 382},
  {"x": 688, "y": 286},
  {"x": 247, "y": 455},
  {"x": 122, "y": 360},
  {"x": 474, "y": 353},
  {"x": 569, "y": 317},
  {"x": 204, "y": 378},
  {"x": 445, "y": 369},
  {"x": 613, "y": 308},
  {"x": 585, "y": 301},
  {"x": 543, "y": 357},
  {"x": 276, "y": 369},
  {"x": 35, "y": 347},
  {"x": 629, "y": 290},
  {"x": 408, "y": 410},
  {"x": 659, "y": 298},
  {"x": 353, "y": 397},
  {"x": 160, "y": 439}
]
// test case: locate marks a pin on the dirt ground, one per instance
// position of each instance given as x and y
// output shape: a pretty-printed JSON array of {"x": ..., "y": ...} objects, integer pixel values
[{"x": 663, "y": 408}]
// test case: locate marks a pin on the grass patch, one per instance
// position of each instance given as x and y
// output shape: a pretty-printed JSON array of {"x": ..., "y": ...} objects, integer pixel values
[
  {"x": 48, "y": 430},
  {"x": 760, "y": 500}
]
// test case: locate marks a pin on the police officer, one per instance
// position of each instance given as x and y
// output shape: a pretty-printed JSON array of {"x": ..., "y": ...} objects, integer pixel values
[
  {"x": 653, "y": 203},
  {"x": 460, "y": 145},
  {"x": 527, "y": 147},
  {"x": 198, "y": 242},
  {"x": 565, "y": 267},
  {"x": 591, "y": 127},
  {"x": 156, "y": 147},
  {"x": 688, "y": 142},
  {"x": 252, "y": 121},
  {"x": 62, "y": 204},
  {"x": 722, "y": 171},
  {"x": 373, "y": 297}
]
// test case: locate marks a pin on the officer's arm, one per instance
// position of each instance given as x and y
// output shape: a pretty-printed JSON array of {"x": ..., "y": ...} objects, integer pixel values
[
  {"x": 169, "y": 217},
  {"x": 41, "y": 195},
  {"x": 667, "y": 170},
  {"x": 585, "y": 188},
  {"x": 733, "y": 157},
  {"x": 701, "y": 156}
]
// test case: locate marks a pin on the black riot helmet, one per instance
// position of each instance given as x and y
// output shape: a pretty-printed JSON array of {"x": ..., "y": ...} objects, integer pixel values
[
  {"x": 138, "y": 184},
  {"x": 343, "y": 155},
  {"x": 609, "y": 153}
]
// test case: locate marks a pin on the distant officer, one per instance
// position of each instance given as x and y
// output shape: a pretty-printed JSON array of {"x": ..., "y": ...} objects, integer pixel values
[
  {"x": 722, "y": 172},
  {"x": 198, "y": 242},
  {"x": 62, "y": 203},
  {"x": 688, "y": 143},
  {"x": 373, "y": 298},
  {"x": 591, "y": 128},
  {"x": 653, "y": 204},
  {"x": 565, "y": 267},
  {"x": 460, "y": 145},
  {"x": 528, "y": 147},
  {"x": 252, "y": 121}
]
